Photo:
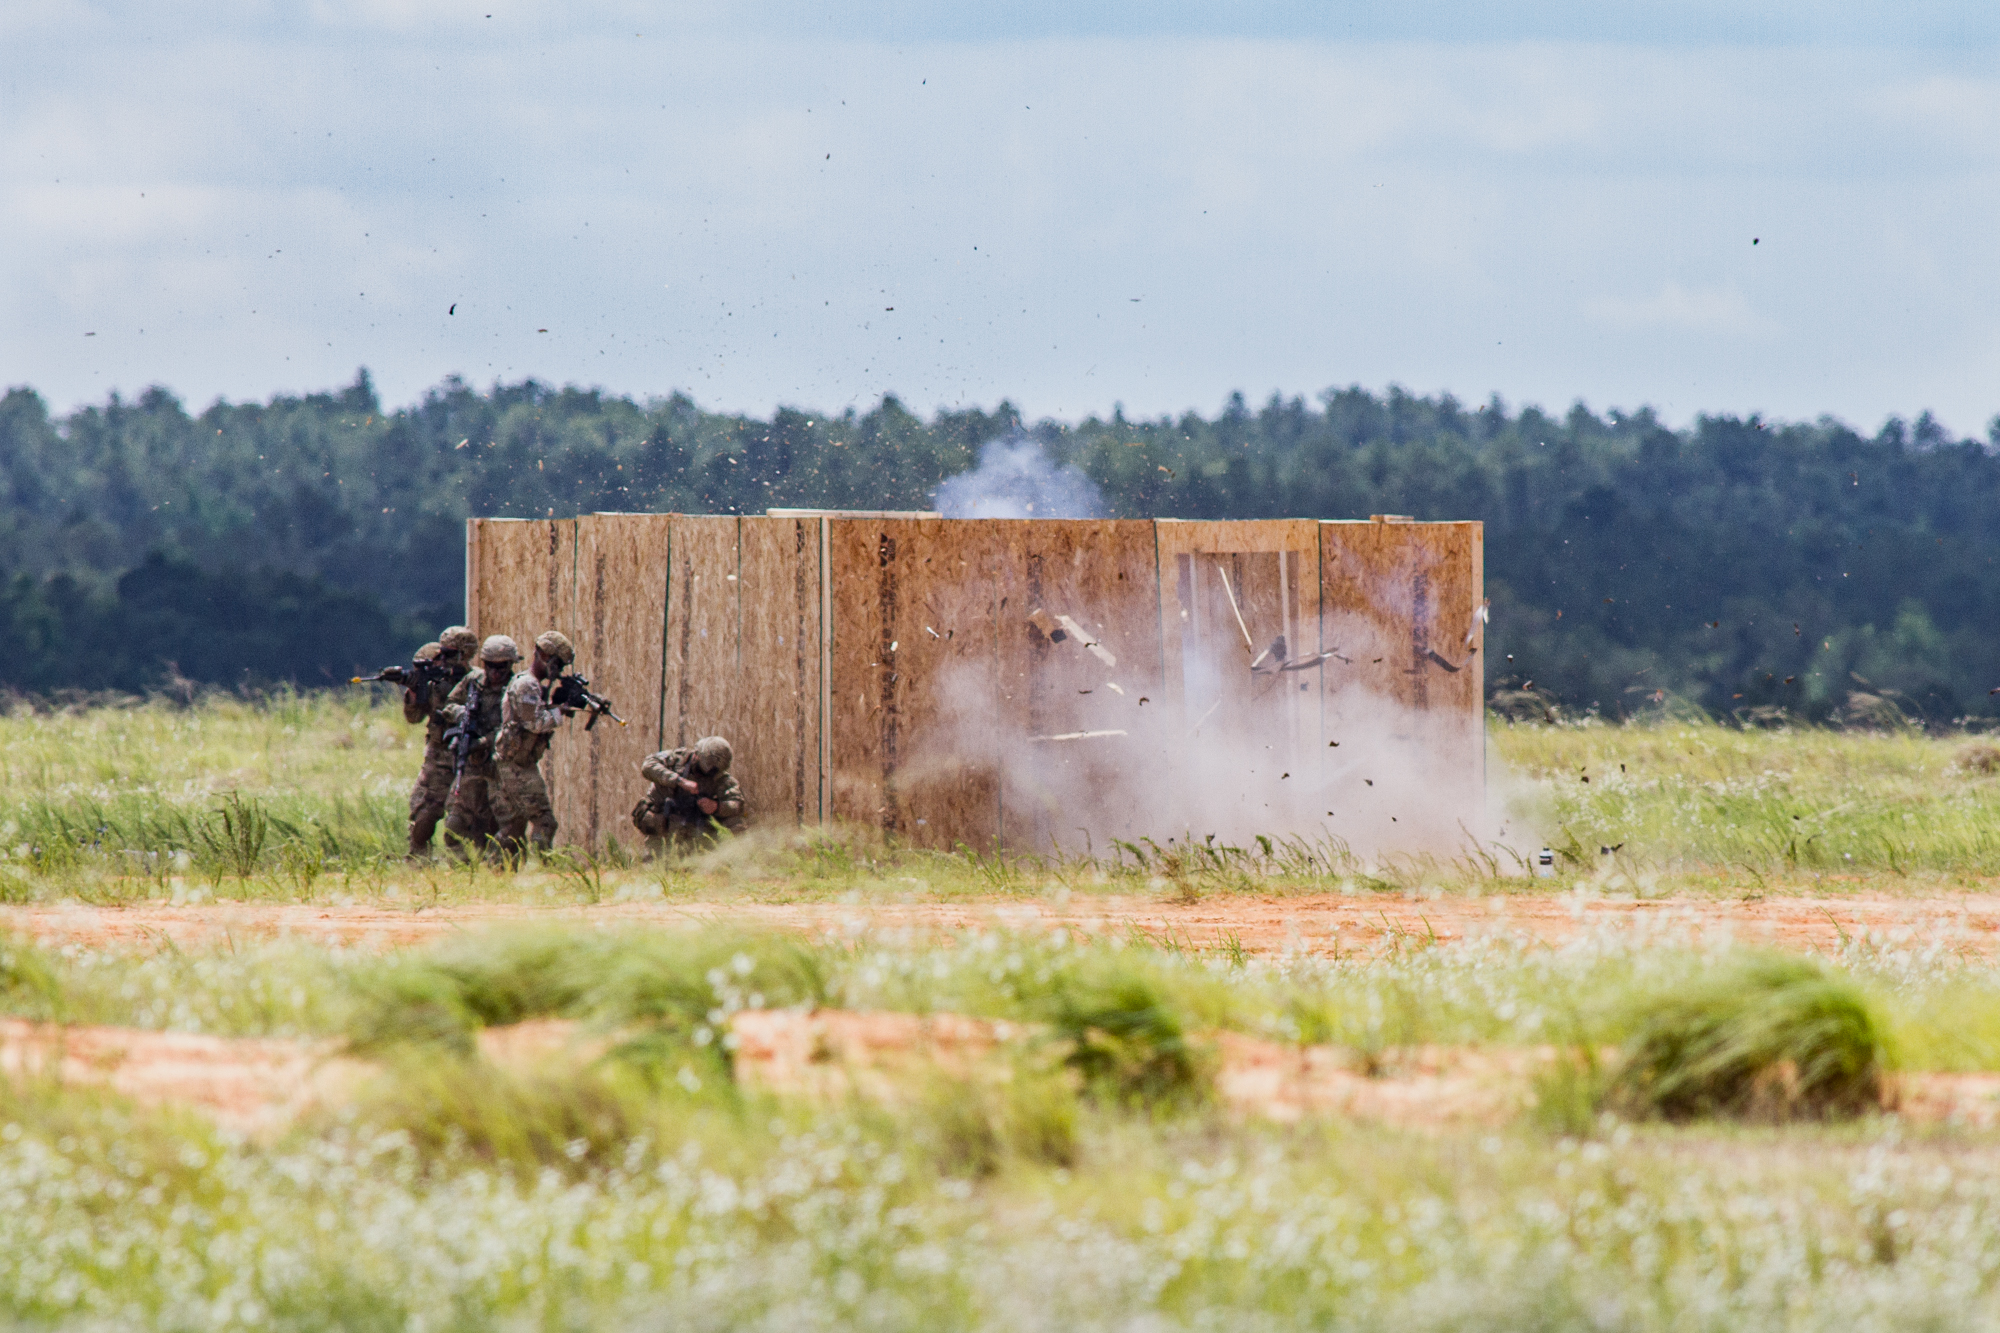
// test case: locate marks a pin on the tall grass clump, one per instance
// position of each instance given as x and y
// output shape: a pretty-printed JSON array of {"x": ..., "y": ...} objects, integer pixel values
[
  {"x": 1768, "y": 1037},
  {"x": 1122, "y": 1035}
]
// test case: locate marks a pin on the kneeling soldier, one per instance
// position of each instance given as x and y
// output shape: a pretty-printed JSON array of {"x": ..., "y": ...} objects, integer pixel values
[
  {"x": 693, "y": 792},
  {"x": 527, "y": 721}
]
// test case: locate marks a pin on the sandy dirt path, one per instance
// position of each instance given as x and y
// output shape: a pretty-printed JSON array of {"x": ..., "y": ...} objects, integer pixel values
[
  {"x": 260, "y": 1086},
  {"x": 1320, "y": 924}
]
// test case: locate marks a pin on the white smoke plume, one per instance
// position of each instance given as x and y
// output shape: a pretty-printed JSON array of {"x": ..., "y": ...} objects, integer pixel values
[
  {"x": 1132, "y": 767},
  {"x": 1017, "y": 479}
]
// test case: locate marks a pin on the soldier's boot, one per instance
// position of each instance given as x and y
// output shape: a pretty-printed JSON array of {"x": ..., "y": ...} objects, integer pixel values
[
  {"x": 542, "y": 833},
  {"x": 463, "y": 843},
  {"x": 423, "y": 828},
  {"x": 508, "y": 846}
]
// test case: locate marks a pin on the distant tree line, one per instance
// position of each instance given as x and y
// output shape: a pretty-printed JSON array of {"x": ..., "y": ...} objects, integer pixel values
[{"x": 1739, "y": 564}]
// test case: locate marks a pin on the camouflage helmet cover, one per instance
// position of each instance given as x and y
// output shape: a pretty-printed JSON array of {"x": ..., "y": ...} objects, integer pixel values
[
  {"x": 499, "y": 648},
  {"x": 430, "y": 652},
  {"x": 460, "y": 640},
  {"x": 555, "y": 645},
  {"x": 713, "y": 754}
]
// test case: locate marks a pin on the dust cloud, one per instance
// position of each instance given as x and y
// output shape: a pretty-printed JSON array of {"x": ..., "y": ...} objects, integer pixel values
[{"x": 1290, "y": 749}]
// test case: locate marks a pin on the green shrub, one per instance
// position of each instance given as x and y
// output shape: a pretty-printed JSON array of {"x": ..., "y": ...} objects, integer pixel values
[
  {"x": 568, "y": 1119},
  {"x": 973, "y": 1126},
  {"x": 1121, "y": 1036},
  {"x": 1769, "y": 1036}
]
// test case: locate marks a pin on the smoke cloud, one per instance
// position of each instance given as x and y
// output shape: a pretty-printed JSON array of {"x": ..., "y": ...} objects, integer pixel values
[
  {"x": 1017, "y": 479},
  {"x": 1282, "y": 754}
]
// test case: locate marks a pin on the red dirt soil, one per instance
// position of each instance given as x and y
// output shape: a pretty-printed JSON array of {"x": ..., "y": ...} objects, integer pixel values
[
  {"x": 261, "y": 1085},
  {"x": 1320, "y": 924}
]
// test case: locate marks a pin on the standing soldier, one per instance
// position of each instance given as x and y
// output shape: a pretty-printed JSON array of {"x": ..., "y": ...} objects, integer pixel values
[
  {"x": 693, "y": 791},
  {"x": 423, "y": 701},
  {"x": 527, "y": 721},
  {"x": 472, "y": 720}
]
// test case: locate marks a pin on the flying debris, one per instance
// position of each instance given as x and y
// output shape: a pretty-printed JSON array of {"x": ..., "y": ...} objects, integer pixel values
[{"x": 1439, "y": 658}]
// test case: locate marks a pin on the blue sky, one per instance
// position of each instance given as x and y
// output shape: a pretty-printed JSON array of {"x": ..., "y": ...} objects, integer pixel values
[{"x": 1701, "y": 207}]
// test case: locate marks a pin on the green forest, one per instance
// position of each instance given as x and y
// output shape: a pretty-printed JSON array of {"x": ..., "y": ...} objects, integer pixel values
[{"x": 1752, "y": 568}]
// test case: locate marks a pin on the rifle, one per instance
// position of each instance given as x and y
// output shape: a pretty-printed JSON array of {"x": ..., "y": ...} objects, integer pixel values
[
  {"x": 573, "y": 692},
  {"x": 463, "y": 735},
  {"x": 676, "y": 799},
  {"x": 417, "y": 675}
]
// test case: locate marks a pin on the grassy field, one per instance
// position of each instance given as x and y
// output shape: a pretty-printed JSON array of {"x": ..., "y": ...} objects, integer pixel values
[
  {"x": 1706, "y": 1146},
  {"x": 303, "y": 796},
  {"x": 1095, "y": 1183}
]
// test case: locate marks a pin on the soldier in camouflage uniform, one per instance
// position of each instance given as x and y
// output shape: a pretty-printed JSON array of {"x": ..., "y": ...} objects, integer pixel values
[
  {"x": 468, "y": 818},
  {"x": 527, "y": 722},
  {"x": 693, "y": 792},
  {"x": 452, "y": 652}
]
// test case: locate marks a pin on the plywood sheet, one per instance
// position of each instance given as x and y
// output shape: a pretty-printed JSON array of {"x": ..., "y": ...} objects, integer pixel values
[
  {"x": 917, "y": 705},
  {"x": 1402, "y": 603},
  {"x": 778, "y": 701},
  {"x": 619, "y": 620},
  {"x": 523, "y": 581},
  {"x": 704, "y": 660},
  {"x": 1238, "y": 600},
  {"x": 1100, "y": 576},
  {"x": 1401, "y": 596}
]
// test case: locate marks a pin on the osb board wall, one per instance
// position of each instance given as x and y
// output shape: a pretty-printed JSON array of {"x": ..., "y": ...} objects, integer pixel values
[
  {"x": 936, "y": 669},
  {"x": 776, "y": 710},
  {"x": 1229, "y": 591},
  {"x": 1103, "y": 576},
  {"x": 702, "y": 656},
  {"x": 696, "y": 625},
  {"x": 521, "y": 581},
  {"x": 519, "y": 576},
  {"x": 911, "y": 643},
  {"x": 620, "y": 608},
  {"x": 1402, "y": 603}
]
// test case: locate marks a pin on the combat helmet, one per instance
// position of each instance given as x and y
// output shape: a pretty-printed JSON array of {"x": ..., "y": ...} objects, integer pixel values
[
  {"x": 713, "y": 754},
  {"x": 555, "y": 645},
  {"x": 459, "y": 640},
  {"x": 430, "y": 652},
  {"x": 499, "y": 648}
]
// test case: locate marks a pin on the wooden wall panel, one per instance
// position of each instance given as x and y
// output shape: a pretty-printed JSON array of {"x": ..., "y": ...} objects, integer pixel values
[
  {"x": 914, "y": 689},
  {"x": 1397, "y": 593},
  {"x": 884, "y": 670},
  {"x": 1229, "y": 591},
  {"x": 516, "y": 572},
  {"x": 777, "y": 709},
  {"x": 703, "y": 652},
  {"x": 1103, "y": 575},
  {"x": 620, "y": 611},
  {"x": 1402, "y": 602}
]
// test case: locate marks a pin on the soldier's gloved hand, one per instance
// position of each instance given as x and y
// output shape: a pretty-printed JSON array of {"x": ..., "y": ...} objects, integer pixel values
[
  {"x": 690, "y": 786},
  {"x": 705, "y": 805}
]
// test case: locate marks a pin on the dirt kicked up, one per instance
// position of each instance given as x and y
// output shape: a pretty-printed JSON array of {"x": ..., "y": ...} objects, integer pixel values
[{"x": 1328, "y": 924}]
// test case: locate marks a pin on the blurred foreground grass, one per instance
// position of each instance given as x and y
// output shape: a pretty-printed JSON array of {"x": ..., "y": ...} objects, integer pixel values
[
  {"x": 649, "y": 1189},
  {"x": 302, "y": 797}
]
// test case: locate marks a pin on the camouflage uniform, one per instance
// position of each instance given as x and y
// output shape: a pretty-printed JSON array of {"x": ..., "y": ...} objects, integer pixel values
[
  {"x": 520, "y": 797},
  {"x": 468, "y": 822},
  {"x": 670, "y": 812},
  {"x": 433, "y": 789}
]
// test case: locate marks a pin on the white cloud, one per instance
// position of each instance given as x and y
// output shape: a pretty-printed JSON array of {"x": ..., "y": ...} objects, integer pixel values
[
  {"x": 1678, "y": 308},
  {"x": 733, "y": 216}
]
